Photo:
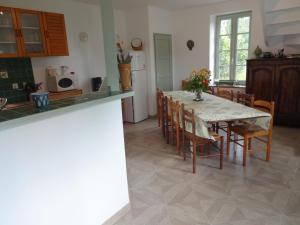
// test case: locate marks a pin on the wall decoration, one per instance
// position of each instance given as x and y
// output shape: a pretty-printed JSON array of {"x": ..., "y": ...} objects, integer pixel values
[{"x": 190, "y": 44}]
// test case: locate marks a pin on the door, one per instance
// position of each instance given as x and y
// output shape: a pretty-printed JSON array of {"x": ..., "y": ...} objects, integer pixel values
[
  {"x": 9, "y": 38},
  {"x": 55, "y": 32},
  {"x": 288, "y": 95},
  {"x": 163, "y": 61},
  {"x": 260, "y": 81},
  {"x": 32, "y": 32}
]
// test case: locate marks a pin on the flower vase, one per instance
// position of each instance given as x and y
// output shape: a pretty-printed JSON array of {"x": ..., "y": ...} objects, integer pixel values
[
  {"x": 198, "y": 96},
  {"x": 125, "y": 74}
]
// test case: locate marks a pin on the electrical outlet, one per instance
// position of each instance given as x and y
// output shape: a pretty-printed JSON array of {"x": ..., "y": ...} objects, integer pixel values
[
  {"x": 3, "y": 75},
  {"x": 15, "y": 86}
]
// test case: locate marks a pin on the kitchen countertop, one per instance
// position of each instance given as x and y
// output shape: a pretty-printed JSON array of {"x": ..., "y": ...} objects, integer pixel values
[{"x": 29, "y": 113}]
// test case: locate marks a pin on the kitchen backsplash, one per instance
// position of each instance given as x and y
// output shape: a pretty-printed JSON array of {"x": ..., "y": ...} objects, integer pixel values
[{"x": 19, "y": 72}]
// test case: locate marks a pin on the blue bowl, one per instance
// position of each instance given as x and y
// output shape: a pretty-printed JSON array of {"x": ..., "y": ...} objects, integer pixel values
[{"x": 40, "y": 99}]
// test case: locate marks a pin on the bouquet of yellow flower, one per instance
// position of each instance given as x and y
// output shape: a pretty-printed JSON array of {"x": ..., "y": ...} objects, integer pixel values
[{"x": 198, "y": 80}]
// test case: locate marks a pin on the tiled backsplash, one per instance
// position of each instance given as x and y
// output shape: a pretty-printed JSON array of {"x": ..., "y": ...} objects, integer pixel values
[{"x": 20, "y": 72}]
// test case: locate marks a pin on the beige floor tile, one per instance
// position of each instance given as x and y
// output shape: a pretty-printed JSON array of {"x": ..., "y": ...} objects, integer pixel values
[{"x": 163, "y": 190}]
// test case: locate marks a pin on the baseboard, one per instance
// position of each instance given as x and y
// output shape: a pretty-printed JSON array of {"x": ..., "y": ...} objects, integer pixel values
[{"x": 122, "y": 212}]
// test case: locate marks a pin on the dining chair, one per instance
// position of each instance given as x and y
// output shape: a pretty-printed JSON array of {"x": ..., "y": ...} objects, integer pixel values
[
  {"x": 229, "y": 95},
  {"x": 159, "y": 106},
  {"x": 167, "y": 117},
  {"x": 211, "y": 90},
  {"x": 175, "y": 124},
  {"x": 245, "y": 99},
  {"x": 184, "y": 84},
  {"x": 223, "y": 93},
  {"x": 248, "y": 131},
  {"x": 189, "y": 136}
]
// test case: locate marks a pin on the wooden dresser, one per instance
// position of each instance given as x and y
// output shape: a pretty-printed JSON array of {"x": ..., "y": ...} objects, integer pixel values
[{"x": 277, "y": 80}]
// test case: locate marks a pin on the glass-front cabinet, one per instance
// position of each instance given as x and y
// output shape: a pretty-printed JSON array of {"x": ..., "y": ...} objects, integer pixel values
[
  {"x": 31, "y": 32},
  {"x": 9, "y": 39}
]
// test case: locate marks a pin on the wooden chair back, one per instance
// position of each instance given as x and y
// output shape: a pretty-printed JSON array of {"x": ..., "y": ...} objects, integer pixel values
[
  {"x": 245, "y": 99},
  {"x": 159, "y": 97},
  {"x": 211, "y": 90},
  {"x": 265, "y": 106},
  {"x": 227, "y": 94},
  {"x": 159, "y": 106},
  {"x": 188, "y": 116},
  {"x": 174, "y": 108},
  {"x": 168, "y": 102},
  {"x": 183, "y": 84}
]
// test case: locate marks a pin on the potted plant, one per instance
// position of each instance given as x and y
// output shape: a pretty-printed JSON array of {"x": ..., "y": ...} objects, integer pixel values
[
  {"x": 198, "y": 82},
  {"x": 124, "y": 61}
]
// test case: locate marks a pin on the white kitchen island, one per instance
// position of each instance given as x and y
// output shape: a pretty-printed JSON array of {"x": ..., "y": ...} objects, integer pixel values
[{"x": 65, "y": 165}]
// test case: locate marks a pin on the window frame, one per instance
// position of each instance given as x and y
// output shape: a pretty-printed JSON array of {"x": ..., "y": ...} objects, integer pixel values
[{"x": 233, "y": 44}]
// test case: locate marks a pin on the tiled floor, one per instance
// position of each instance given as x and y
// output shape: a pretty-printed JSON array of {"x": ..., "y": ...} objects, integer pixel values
[{"x": 163, "y": 191}]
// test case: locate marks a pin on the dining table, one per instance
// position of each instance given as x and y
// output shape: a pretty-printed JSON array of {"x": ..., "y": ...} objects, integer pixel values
[{"x": 213, "y": 109}]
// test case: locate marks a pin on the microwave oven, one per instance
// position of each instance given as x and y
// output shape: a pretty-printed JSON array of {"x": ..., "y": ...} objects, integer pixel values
[{"x": 58, "y": 83}]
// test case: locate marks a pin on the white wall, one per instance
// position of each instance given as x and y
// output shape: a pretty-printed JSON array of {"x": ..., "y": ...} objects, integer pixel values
[
  {"x": 143, "y": 23},
  {"x": 195, "y": 24},
  {"x": 160, "y": 21},
  {"x": 61, "y": 172},
  {"x": 86, "y": 59},
  {"x": 121, "y": 26},
  {"x": 136, "y": 21}
]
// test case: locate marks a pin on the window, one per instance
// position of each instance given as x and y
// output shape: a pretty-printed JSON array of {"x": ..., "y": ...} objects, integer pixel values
[{"x": 232, "y": 47}]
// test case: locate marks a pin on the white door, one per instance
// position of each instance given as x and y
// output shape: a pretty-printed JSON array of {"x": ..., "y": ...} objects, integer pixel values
[{"x": 163, "y": 61}]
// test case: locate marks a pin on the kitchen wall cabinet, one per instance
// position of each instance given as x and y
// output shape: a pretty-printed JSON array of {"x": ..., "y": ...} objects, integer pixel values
[
  {"x": 31, "y": 32},
  {"x": 9, "y": 39},
  {"x": 277, "y": 80},
  {"x": 28, "y": 33},
  {"x": 55, "y": 31}
]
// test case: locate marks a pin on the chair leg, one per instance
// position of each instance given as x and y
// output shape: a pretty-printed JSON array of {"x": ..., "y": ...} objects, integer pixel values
[
  {"x": 208, "y": 149},
  {"x": 183, "y": 148},
  {"x": 268, "y": 155},
  {"x": 221, "y": 152},
  {"x": 163, "y": 126},
  {"x": 245, "y": 149},
  {"x": 172, "y": 135},
  {"x": 158, "y": 120},
  {"x": 250, "y": 144},
  {"x": 194, "y": 156},
  {"x": 228, "y": 141},
  {"x": 178, "y": 140},
  {"x": 167, "y": 132}
]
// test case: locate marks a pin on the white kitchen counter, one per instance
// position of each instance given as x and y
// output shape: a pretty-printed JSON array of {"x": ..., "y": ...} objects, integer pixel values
[{"x": 64, "y": 166}]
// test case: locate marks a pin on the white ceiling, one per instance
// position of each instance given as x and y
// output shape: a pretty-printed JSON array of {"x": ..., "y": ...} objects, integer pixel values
[{"x": 166, "y": 4}]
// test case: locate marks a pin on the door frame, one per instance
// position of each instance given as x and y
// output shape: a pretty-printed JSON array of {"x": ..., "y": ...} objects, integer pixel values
[{"x": 171, "y": 54}]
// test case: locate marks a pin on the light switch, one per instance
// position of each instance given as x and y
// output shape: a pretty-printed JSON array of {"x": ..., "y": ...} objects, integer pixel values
[{"x": 3, "y": 75}]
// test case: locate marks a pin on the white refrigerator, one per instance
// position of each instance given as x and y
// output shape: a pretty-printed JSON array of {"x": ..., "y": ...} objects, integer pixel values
[{"x": 136, "y": 108}]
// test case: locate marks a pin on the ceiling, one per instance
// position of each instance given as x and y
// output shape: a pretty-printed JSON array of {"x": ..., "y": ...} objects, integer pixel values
[{"x": 166, "y": 4}]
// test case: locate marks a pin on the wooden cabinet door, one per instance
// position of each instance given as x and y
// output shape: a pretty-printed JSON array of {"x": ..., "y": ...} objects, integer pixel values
[
  {"x": 260, "y": 81},
  {"x": 55, "y": 32},
  {"x": 32, "y": 32},
  {"x": 288, "y": 95},
  {"x": 9, "y": 35}
]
